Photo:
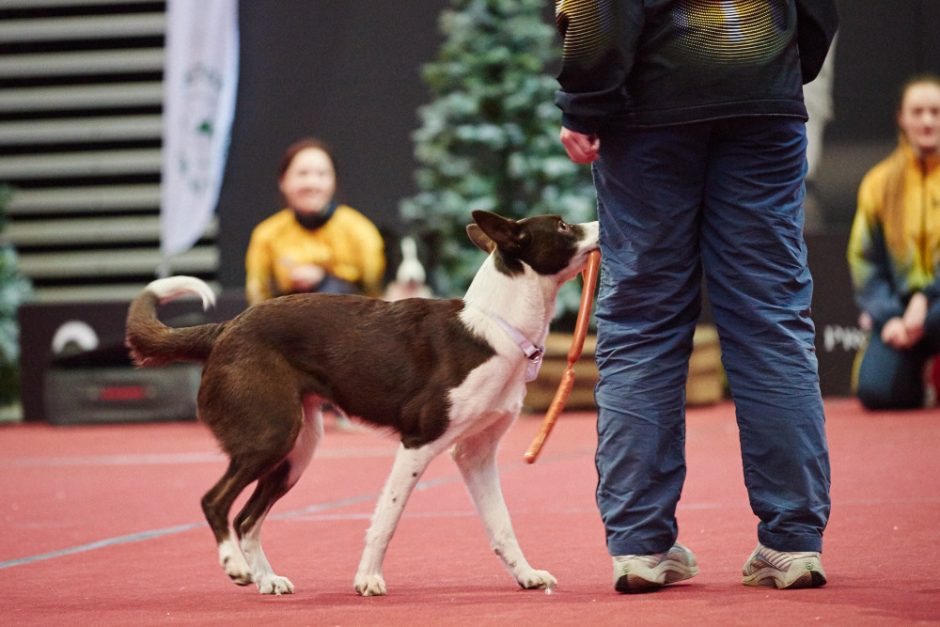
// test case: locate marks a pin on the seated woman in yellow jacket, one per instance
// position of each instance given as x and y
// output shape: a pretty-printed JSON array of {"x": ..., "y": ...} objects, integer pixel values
[
  {"x": 315, "y": 244},
  {"x": 894, "y": 256}
]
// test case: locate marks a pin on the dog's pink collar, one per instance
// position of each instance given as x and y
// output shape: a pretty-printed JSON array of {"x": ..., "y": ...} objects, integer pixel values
[{"x": 532, "y": 352}]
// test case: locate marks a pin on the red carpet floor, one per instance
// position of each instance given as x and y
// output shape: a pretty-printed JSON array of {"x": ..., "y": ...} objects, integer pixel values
[{"x": 101, "y": 525}]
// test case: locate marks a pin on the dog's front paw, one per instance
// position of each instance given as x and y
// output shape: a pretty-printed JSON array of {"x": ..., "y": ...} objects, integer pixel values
[
  {"x": 536, "y": 579},
  {"x": 275, "y": 584},
  {"x": 370, "y": 585}
]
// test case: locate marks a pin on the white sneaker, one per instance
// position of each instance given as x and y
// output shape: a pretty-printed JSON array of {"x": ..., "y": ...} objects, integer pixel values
[
  {"x": 644, "y": 573},
  {"x": 783, "y": 569}
]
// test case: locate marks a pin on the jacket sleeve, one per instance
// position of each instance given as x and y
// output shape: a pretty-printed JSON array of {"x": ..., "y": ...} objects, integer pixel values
[
  {"x": 372, "y": 247},
  {"x": 932, "y": 291},
  {"x": 258, "y": 276},
  {"x": 599, "y": 42},
  {"x": 868, "y": 260},
  {"x": 817, "y": 22}
]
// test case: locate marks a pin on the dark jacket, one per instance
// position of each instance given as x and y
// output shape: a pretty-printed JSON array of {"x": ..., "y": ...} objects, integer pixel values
[{"x": 664, "y": 62}]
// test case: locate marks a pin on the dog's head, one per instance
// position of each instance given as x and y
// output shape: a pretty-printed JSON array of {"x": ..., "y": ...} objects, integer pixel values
[{"x": 547, "y": 244}]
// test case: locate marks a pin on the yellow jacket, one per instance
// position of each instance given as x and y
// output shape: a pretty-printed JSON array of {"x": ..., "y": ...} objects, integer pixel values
[
  {"x": 348, "y": 247},
  {"x": 894, "y": 247}
]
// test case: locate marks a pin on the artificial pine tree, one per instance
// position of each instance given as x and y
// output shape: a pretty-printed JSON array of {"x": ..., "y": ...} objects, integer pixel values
[
  {"x": 14, "y": 288},
  {"x": 489, "y": 137}
]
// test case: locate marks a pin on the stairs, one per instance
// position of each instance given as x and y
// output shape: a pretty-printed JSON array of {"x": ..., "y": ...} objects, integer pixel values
[{"x": 80, "y": 147}]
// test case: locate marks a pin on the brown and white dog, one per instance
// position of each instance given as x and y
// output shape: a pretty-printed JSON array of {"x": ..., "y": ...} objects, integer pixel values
[{"x": 441, "y": 373}]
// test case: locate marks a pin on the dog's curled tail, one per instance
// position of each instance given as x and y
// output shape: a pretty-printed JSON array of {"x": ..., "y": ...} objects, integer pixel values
[{"x": 151, "y": 342}]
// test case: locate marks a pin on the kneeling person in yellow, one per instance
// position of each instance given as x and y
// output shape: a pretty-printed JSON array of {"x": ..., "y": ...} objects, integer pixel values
[
  {"x": 315, "y": 244},
  {"x": 894, "y": 256}
]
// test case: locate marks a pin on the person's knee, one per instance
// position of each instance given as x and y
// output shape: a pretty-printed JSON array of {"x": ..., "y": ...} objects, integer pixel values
[
  {"x": 882, "y": 396},
  {"x": 873, "y": 399}
]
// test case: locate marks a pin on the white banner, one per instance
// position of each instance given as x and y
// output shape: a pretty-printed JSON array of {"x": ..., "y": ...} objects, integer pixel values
[{"x": 200, "y": 79}]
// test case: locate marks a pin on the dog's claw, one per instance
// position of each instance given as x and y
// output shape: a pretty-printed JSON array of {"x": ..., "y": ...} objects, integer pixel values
[
  {"x": 537, "y": 580},
  {"x": 276, "y": 584},
  {"x": 370, "y": 585}
]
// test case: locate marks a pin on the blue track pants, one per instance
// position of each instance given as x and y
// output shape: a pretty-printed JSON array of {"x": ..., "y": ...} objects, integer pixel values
[{"x": 723, "y": 197}]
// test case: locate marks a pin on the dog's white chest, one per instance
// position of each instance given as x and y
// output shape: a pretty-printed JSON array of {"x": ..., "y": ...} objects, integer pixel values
[{"x": 496, "y": 386}]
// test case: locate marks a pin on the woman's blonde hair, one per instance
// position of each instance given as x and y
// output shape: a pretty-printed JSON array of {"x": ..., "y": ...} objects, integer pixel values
[{"x": 894, "y": 184}]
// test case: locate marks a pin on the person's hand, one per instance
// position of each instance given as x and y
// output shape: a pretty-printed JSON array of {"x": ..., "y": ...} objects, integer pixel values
[
  {"x": 895, "y": 334},
  {"x": 306, "y": 277},
  {"x": 915, "y": 317},
  {"x": 581, "y": 148}
]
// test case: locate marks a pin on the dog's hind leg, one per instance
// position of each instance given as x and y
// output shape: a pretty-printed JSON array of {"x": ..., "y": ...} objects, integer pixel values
[
  {"x": 248, "y": 523},
  {"x": 271, "y": 487},
  {"x": 409, "y": 465},
  {"x": 475, "y": 455},
  {"x": 216, "y": 505}
]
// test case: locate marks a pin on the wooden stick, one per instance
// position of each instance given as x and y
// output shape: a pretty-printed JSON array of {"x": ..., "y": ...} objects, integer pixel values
[{"x": 574, "y": 353}]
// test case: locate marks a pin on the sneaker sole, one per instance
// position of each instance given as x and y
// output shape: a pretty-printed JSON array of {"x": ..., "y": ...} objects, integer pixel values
[
  {"x": 771, "y": 578},
  {"x": 633, "y": 584},
  {"x": 636, "y": 583}
]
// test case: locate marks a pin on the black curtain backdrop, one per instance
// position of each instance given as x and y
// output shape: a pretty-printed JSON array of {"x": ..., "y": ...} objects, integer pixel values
[{"x": 347, "y": 71}]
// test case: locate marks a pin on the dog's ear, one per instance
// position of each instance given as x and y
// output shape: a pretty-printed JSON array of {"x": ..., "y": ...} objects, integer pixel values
[
  {"x": 481, "y": 239},
  {"x": 507, "y": 235}
]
